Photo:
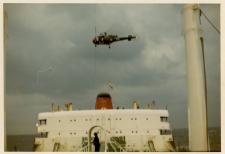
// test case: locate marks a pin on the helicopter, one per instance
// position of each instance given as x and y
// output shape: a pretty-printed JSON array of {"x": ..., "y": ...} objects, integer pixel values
[{"x": 105, "y": 39}]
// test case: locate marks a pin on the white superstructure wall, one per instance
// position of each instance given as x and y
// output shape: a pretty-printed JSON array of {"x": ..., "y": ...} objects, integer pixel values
[
  {"x": 138, "y": 127},
  {"x": 116, "y": 122}
]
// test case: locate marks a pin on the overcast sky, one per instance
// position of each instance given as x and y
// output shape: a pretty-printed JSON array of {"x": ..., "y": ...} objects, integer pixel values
[{"x": 50, "y": 58}]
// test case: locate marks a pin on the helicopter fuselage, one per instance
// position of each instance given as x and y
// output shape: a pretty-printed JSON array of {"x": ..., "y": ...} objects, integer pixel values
[{"x": 105, "y": 39}]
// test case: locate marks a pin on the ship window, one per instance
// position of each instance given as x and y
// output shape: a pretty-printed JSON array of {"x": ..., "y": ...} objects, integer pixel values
[
  {"x": 44, "y": 134},
  {"x": 59, "y": 120},
  {"x": 108, "y": 118},
  {"x": 97, "y": 119},
  {"x": 131, "y": 118},
  {"x": 43, "y": 121},
  {"x": 146, "y": 118},
  {"x": 164, "y": 119},
  {"x": 135, "y": 118},
  {"x": 165, "y": 132},
  {"x": 120, "y": 119}
]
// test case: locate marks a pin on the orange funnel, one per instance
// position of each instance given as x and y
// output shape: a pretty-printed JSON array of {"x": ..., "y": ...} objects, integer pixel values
[{"x": 103, "y": 101}]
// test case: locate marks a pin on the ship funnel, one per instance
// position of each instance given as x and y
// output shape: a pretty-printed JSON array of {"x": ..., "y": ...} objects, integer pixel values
[
  {"x": 103, "y": 101},
  {"x": 136, "y": 105},
  {"x": 69, "y": 106}
]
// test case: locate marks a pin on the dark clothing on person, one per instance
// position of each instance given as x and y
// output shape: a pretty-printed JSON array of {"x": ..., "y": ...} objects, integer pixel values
[{"x": 96, "y": 143}]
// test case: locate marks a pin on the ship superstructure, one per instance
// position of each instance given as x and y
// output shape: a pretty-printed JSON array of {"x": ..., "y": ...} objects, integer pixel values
[{"x": 118, "y": 129}]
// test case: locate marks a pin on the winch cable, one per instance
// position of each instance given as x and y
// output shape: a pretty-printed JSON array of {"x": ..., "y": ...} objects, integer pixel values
[
  {"x": 204, "y": 62},
  {"x": 93, "y": 80},
  {"x": 209, "y": 21}
]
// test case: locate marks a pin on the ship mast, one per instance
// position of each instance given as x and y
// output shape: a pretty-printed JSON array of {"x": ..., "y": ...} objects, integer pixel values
[{"x": 197, "y": 102}]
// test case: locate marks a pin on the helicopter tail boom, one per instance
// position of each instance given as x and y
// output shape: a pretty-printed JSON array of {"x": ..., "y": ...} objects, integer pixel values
[{"x": 129, "y": 38}]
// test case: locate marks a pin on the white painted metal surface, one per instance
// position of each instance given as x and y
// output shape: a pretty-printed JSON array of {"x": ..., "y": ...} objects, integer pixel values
[
  {"x": 197, "y": 111},
  {"x": 70, "y": 130}
]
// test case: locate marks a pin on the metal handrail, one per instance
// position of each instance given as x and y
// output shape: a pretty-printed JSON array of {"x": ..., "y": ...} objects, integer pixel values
[
  {"x": 114, "y": 148},
  {"x": 118, "y": 145},
  {"x": 151, "y": 146},
  {"x": 84, "y": 149}
]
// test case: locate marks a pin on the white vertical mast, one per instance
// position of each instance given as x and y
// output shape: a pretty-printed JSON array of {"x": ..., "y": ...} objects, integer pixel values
[{"x": 197, "y": 109}]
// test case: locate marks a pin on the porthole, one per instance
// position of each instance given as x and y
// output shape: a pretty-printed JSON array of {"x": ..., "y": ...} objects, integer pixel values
[{"x": 108, "y": 118}]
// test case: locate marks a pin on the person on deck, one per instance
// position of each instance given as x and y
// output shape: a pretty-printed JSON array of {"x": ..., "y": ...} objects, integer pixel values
[{"x": 96, "y": 143}]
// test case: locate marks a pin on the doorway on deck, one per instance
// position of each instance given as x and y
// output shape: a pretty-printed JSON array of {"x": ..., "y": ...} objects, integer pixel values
[{"x": 102, "y": 138}]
